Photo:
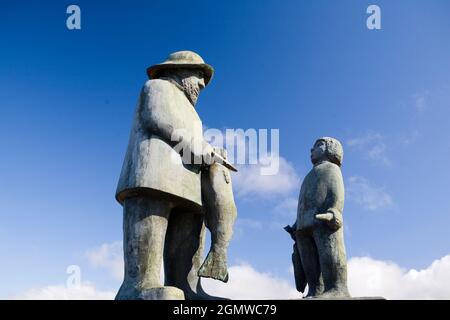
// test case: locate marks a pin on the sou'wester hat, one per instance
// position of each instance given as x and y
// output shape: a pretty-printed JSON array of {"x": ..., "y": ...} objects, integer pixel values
[{"x": 182, "y": 59}]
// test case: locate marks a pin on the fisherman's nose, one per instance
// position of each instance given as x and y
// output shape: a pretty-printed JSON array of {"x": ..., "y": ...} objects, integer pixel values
[{"x": 201, "y": 83}]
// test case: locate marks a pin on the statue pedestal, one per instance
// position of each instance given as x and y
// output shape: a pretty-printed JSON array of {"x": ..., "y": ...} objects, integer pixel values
[{"x": 163, "y": 293}]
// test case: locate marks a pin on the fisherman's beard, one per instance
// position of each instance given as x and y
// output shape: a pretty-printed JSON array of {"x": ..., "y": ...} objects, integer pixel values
[{"x": 191, "y": 90}]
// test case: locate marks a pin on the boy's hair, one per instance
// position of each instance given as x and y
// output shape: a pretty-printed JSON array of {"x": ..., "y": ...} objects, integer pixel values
[{"x": 335, "y": 152}]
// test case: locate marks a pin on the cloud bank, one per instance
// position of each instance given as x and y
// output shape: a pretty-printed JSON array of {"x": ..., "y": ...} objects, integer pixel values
[
  {"x": 373, "y": 146},
  {"x": 362, "y": 192},
  {"x": 108, "y": 256},
  {"x": 247, "y": 283},
  {"x": 85, "y": 291},
  {"x": 367, "y": 277},
  {"x": 249, "y": 181},
  {"x": 370, "y": 277}
]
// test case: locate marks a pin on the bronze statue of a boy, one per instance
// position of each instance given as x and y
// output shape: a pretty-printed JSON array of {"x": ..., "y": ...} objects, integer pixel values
[{"x": 320, "y": 259}]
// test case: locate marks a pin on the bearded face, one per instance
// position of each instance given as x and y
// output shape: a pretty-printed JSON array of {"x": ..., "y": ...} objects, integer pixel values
[
  {"x": 191, "y": 81},
  {"x": 191, "y": 87}
]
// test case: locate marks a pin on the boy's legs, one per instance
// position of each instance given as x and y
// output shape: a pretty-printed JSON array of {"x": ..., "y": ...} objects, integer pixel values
[
  {"x": 333, "y": 263},
  {"x": 310, "y": 262}
]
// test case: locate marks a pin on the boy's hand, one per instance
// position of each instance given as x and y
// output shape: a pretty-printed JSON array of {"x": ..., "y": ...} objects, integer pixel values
[
  {"x": 326, "y": 217},
  {"x": 330, "y": 220}
]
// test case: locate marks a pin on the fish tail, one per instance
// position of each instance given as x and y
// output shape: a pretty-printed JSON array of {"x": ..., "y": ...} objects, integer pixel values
[{"x": 214, "y": 266}]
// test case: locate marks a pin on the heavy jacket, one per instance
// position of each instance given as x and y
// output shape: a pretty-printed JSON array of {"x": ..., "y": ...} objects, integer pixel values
[
  {"x": 151, "y": 165},
  {"x": 322, "y": 191}
]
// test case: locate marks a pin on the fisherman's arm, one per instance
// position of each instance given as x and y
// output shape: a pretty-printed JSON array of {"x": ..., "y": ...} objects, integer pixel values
[{"x": 160, "y": 117}]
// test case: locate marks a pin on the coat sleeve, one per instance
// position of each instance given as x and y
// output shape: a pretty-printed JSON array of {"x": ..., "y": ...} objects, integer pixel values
[
  {"x": 335, "y": 195},
  {"x": 160, "y": 115}
]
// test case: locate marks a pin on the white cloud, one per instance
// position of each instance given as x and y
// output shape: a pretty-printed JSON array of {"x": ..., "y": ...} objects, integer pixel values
[
  {"x": 410, "y": 138},
  {"x": 108, "y": 256},
  {"x": 85, "y": 291},
  {"x": 372, "y": 145},
  {"x": 250, "y": 182},
  {"x": 420, "y": 101},
  {"x": 369, "y": 277},
  {"x": 360, "y": 191},
  {"x": 287, "y": 208},
  {"x": 246, "y": 283},
  {"x": 261, "y": 172}
]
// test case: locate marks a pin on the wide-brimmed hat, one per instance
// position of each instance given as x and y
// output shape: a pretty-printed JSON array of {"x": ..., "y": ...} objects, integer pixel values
[{"x": 182, "y": 59}]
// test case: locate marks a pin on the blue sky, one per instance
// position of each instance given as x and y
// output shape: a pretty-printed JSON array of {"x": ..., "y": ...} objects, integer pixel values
[{"x": 307, "y": 68}]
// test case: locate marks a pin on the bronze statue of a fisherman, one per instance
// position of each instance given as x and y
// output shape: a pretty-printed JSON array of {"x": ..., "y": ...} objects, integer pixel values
[{"x": 160, "y": 188}]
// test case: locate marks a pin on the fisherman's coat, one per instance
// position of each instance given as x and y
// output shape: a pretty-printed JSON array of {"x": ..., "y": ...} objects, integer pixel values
[{"x": 151, "y": 165}]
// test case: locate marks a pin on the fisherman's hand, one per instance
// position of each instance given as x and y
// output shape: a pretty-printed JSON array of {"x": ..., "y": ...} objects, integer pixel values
[{"x": 207, "y": 154}]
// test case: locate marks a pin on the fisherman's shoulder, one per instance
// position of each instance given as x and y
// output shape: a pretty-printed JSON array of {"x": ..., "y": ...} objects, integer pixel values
[{"x": 160, "y": 86}]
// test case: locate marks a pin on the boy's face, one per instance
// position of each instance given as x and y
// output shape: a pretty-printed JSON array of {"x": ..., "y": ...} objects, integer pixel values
[{"x": 318, "y": 151}]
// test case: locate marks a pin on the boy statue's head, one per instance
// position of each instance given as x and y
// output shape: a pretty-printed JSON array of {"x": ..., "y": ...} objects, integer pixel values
[{"x": 327, "y": 149}]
